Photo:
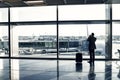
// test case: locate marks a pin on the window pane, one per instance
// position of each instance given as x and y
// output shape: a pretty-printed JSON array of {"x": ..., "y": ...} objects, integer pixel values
[
  {"x": 3, "y": 14},
  {"x": 82, "y": 12},
  {"x": 116, "y": 11},
  {"x": 99, "y": 31},
  {"x": 37, "y": 41},
  {"x": 44, "y": 13},
  {"x": 73, "y": 37},
  {"x": 4, "y": 47},
  {"x": 116, "y": 40}
]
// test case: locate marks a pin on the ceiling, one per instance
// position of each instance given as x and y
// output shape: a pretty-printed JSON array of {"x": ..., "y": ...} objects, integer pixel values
[{"x": 18, "y": 3}]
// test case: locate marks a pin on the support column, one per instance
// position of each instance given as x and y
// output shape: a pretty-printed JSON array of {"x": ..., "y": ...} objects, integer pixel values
[
  {"x": 14, "y": 41},
  {"x": 108, "y": 42}
]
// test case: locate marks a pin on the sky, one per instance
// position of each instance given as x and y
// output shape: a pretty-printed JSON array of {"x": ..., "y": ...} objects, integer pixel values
[{"x": 64, "y": 30}]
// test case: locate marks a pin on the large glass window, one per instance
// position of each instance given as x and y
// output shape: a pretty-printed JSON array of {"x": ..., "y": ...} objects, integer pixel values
[
  {"x": 30, "y": 38},
  {"x": 34, "y": 41},
  {"x": 82, "y": 12},
  {"x": 43, "y": 13},
  {"x": 74, "y": 37}
]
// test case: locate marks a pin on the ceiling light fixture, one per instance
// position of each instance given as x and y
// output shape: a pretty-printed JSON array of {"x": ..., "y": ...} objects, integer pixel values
[{"x": 29, "y": 2}]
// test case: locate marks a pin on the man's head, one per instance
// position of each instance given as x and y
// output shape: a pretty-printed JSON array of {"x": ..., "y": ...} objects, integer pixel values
[{"x": 92, "y": 34}]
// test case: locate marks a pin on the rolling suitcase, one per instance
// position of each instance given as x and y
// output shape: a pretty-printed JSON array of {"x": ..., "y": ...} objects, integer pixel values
[{"x": 78, "y": 57}]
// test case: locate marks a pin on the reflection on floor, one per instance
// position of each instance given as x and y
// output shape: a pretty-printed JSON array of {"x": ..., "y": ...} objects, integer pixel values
[{"x": 58, "y": 70}]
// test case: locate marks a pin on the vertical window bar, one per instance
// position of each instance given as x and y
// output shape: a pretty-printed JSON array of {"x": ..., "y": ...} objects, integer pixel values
[
  {"x": 57, "y": 35},
  {"x": 57, "y": 45},
  {"x": 9, "y": 41}
]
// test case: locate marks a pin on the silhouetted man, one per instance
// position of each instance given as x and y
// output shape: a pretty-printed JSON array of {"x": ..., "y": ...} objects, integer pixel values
[{"x": 91, "y": 39}]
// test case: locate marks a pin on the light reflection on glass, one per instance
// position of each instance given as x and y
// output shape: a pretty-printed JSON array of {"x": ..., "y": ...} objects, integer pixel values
[
  {"x": 1, "y": 64},
  {"x": 15, "y": 70}
]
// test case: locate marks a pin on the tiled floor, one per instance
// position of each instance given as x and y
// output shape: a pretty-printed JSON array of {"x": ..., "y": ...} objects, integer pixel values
[{"x": 58, "y": 70}]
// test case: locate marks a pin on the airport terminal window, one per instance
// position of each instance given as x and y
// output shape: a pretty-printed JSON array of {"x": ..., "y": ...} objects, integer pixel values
[
  {"x": 3, "y": 14},
  {"x": 37, "y": 41},
  {"x": 86, "y": 13},
  {"x": 82, "y": 12},
  {"x": 74, "y": 37},
  {"x": 43, "y": 13},
  {"x": 4, "y": 42},
  {"x": 116, "y": 11},
  {"x": 116, "y": 41},
  {"x": 41, "y": 39}
]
